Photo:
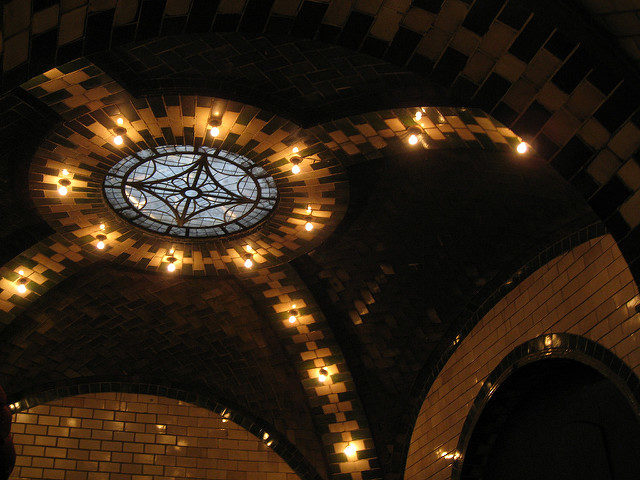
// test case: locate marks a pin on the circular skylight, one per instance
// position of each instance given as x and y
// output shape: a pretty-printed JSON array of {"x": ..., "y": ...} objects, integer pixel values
[{"x": 184, "y": 191}]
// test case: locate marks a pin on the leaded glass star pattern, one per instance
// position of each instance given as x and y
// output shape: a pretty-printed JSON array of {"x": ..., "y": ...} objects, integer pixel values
[{"x": 184, "y": 191}]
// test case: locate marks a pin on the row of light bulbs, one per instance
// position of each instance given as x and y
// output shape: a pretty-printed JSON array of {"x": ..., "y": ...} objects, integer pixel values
[
  {"x": 349, "y": 450},
  {"x": 415, "y": 134}
]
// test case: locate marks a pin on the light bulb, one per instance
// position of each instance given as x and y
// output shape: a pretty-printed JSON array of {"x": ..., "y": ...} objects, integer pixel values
[
  {"x": 322, "y": 375},
  {"x": 62, "y": 190},
  {"x": 296, "y": 149},
  {"x": 119, "y": 121},
  {"x": 215, "y": 131},
  {"x": 65, "y": 172},
  {"x": 225, "y": 420},
  {"x": 118, "y": 140},
  {"x": 102, "y": 226},
  {"x": 248, "y": 263},
  {"x": 418, "y": 115},
  {"x": 22, "y": 288},
  {"x": 309, "y": 209},
  {"x": 21, "y": 272},
  {"x": 292, "y": 319},
  {"x": 171, "y": 267},
  {"x": 522, "y": 148},
  {"x": 413, "y": 139},
  {"x": 100, "y": 245},
  {"x": 265, "y": 436},
  {"x": 349, "y": 450},
  {"x": 308, "y": 226},
  {"x": 295, "y": 169}
]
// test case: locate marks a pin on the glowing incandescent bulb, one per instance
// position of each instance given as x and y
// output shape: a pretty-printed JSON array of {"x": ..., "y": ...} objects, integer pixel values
[
  {"x": 120, "y": 121},
  {"x": 350, "y": 450},
  {"x": 63, "y": 183},
  {"x": 296, "y": 160},
  {"x": 101, "y": 238},
  {"x": 308, "y": 226},
  {"x": 248, "y": 260},
  {"x": 293, "y": 315},
  {"x": 322, "y": 375},
  {"x": 522, "y": 148},
  {"x": 214, "y": 126},
  {"x": 172, "y": 264},
  {"x": 21, "y": 285},
  {"x": 119, "y": 131},
  {"x": 415, "y": 133}
]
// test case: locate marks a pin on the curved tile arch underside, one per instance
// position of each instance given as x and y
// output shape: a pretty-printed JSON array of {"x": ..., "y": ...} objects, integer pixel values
[
  {"x": 138, "y": 402},
  {"x": 335, "y": 406},
  {"x": 537, "y": 67},
  {"x": 117, "y": 325},
  {"x": 550, "y": 345},
  {"x": 595, "y": 297}
]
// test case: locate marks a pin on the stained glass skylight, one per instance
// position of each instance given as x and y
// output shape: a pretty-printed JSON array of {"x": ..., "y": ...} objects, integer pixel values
[{"x": 184, "y": 191}]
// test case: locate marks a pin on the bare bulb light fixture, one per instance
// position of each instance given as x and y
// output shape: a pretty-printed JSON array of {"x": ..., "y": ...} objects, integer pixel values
[
  {"x": 522, "y": 148},
  {"x": 101, "y": 238},
  {"x": 63, "y": 186},
  {"x": 415, "y": 134},
  {"x": 350, "y": 450},
  {"x": 65, "y": 172},
  {"x": 172, "y": 264},
  {"x": 120, "y": 121},
  {"x": 213, "y": 125},
  {"x": 248, "y": 260},
  {"x": 308, "y": 226},
  {"x": 21, "y": 285},
  {"x": 296, "y": 160},
  {"x": 322, "y": 375},
  {"x": 293, "y": 315},
  {"x": 102, "y": 226},
  {"x": 119, "y": 131}
]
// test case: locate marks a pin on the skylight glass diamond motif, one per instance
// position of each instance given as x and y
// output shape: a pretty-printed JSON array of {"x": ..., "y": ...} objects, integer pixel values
[{"x": 184, "y": 191}]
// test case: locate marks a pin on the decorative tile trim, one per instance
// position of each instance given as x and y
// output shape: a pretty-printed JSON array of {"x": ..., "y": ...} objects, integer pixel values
[{"x": 338, "y": 412}]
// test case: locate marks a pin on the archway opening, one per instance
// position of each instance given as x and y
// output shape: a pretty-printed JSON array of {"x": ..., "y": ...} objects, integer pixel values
[{"x": 555, "y": 419}]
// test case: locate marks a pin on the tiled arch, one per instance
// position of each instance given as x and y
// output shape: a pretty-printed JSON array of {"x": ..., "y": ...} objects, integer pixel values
[
  {"x": 587, "y": 292},
  {"x": 551, "y": 345},
  {"x": 256, "y": 426}
]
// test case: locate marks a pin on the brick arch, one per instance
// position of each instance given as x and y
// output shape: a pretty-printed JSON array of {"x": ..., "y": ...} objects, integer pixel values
[
  {"x": 256, "y": 426},
  {"x": 548, "y": 346},
  {"x": 588, "y": 291}
]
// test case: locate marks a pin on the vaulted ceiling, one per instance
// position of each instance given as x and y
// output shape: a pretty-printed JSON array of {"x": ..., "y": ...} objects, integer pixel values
[{"x": 411, "y": 243}]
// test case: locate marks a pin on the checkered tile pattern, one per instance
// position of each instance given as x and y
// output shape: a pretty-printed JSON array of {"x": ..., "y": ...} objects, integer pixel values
[
  {"x": 83, "y": 145},
  {"x": 575, "y": 103}
]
